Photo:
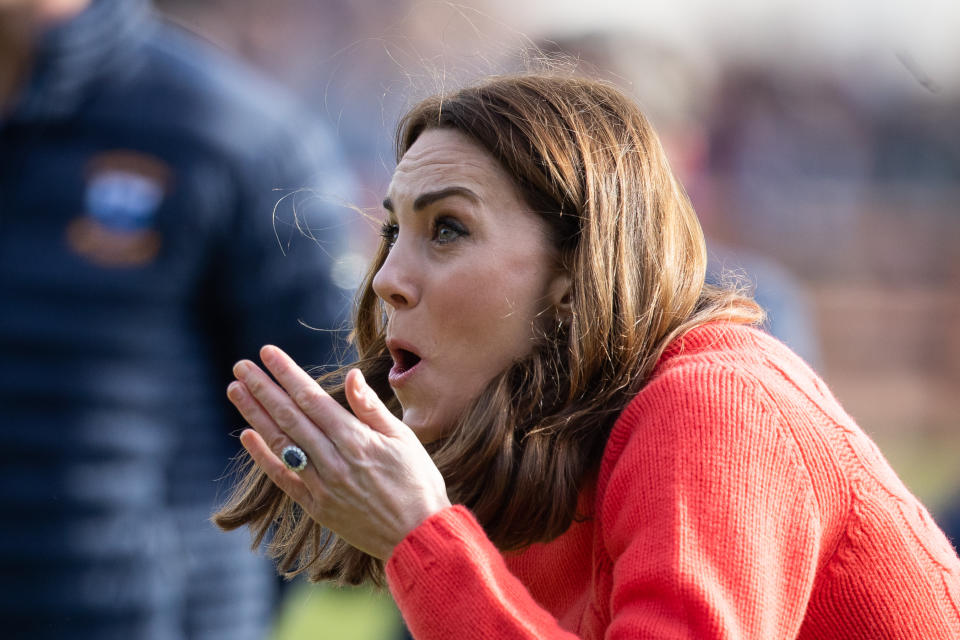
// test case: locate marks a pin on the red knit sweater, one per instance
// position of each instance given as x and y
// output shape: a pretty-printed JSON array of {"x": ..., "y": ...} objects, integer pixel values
[{"x": 735, "y": 499}]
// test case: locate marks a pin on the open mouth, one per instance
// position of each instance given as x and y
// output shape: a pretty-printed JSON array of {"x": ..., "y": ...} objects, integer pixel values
[{"x": 403, "y": 360}]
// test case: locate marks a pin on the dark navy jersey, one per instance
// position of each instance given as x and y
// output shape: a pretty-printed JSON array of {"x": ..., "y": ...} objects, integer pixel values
[{"x": 149, "y": 214}]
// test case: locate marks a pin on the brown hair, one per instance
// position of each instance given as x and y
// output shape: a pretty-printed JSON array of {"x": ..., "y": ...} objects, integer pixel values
[{"x": 586, "y": 160}]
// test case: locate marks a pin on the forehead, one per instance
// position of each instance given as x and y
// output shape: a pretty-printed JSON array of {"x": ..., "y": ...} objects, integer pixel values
[{"x": 441, "y": 158}]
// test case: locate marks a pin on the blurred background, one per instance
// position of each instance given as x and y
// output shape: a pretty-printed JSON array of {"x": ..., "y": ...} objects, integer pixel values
[{"x": 819, "y": 141}]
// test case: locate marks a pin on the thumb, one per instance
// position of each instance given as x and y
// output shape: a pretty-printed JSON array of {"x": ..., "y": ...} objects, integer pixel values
[{"x": 367, "y": 406}]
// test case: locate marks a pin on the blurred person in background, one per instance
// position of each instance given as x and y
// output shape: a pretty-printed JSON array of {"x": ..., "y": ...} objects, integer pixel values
[
  {"x": 338, "y": 57},
  {"x": 140, "y": 255},
  {"x": 556, "y": 428}
]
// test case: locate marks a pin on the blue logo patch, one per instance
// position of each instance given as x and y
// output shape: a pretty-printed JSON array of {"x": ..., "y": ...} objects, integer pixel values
[{"x": 124, "y": 192}]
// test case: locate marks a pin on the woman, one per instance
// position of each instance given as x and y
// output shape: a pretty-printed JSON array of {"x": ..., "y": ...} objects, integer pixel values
[{"x": 624, "y": 454}]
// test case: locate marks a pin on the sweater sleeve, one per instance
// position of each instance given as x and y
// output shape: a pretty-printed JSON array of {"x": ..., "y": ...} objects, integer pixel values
[
  {"x": 450, "y": 581},
  {"x": 709, "y": 521}
]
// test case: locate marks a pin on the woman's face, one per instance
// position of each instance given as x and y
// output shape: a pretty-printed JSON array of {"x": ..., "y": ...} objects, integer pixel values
[{"x": 469, "y": 277}]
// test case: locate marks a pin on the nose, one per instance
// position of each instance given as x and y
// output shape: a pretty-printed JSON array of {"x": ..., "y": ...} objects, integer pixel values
[{"x": 395, "y": 281}]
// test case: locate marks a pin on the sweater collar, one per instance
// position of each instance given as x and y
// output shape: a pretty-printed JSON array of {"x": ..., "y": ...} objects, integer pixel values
[
  {"x": 708, "y": 336},
  {"x": 72, "y": 56}
]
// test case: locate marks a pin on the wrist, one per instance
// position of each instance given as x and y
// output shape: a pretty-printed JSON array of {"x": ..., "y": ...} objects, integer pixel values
[{"x": 417, "y": 519}]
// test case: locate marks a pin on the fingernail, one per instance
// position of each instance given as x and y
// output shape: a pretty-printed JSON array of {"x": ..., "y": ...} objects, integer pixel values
[
  {"x": 241, "y": 368},
  {"x": 268, "y": 353},
  {"x": 364, "y": 391},
  {"x": 233, "y": 390},
  {"x": 244, "y": 436}
]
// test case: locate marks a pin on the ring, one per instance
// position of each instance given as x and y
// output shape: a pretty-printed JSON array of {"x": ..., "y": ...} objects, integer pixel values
[{"x": 294, "y": 457}]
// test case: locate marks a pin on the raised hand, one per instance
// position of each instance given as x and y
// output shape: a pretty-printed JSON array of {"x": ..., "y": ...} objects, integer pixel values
[{"x": 368, "y": 478}]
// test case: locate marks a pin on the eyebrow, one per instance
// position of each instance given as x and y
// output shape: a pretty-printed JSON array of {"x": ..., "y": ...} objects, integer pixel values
[{"x": 426, "y": 199}]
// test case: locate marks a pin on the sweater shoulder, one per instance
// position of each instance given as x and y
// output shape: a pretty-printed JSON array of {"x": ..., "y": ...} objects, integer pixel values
[
  {"x": 716, "y": 371},
  {"x": 724, "y": 393},
  {"x": 730, "y": 404}
]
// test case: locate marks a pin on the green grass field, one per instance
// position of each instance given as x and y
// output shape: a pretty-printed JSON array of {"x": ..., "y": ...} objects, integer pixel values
[{"x": 320, "y": 612}]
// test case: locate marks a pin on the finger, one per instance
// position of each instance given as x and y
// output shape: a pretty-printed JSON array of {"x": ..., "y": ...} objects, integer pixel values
[
  {"x": 368, "y": 407},
  {"x": 288, "y": 481},
  {"x": 281, "y": 408},
  {"x": 337, "y": 423},
  {"x": 299, "y": 429},
  {"x": 255, "y": 415},
  {"x": 276, "y": 439}
]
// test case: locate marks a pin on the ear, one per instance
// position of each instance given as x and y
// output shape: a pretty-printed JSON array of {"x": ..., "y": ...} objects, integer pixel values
[{"x": 560, "y": 294}]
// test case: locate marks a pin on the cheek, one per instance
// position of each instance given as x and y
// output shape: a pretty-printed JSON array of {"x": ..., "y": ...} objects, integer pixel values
[{"x": 491, "y": 317}]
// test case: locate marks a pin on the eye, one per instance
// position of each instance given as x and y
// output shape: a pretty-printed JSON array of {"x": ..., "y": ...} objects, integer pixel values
[
  {"x": 389, "y": 231},
  {"x": 446, "y": 229}
]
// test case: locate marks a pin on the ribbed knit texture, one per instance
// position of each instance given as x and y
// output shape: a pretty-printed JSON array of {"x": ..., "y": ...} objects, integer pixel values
[{"x": 736, "y": 499}]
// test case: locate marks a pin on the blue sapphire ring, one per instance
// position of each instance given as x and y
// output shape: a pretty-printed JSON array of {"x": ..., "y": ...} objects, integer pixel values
[{"x": 294, "y": 457}]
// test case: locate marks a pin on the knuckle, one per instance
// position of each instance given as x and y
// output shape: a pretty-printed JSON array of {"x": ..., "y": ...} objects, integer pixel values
[
  {"x": 277, "y": 442},
  {"x": 352, "y": 450},
  {"x": 286, "y": 416},
  {"x": 255, "y": 385},
  {"x": 243, "y": 404},
  {"x": 303, "y": 495},
  {"x": 307, "y": 398}
]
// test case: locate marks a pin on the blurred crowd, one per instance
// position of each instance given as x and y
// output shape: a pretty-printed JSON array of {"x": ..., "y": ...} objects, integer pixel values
[{"x": 832, "y": 192}]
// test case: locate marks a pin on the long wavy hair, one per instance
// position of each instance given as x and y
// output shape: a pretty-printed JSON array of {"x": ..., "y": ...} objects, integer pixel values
[{"x": 585, "y": 159}]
